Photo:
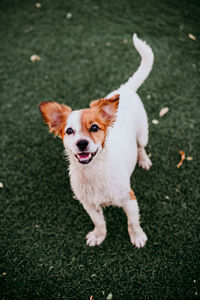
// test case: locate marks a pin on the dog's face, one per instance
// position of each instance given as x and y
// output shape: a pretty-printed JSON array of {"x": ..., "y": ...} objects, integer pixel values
[{"x": 83, "y": 131}]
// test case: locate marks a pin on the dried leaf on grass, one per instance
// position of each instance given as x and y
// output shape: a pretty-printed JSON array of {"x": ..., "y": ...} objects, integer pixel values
[
  {"x": 38, "y": 5},
  {"x": 163, "y": 111},
  {"x": 182, "y": 158},
  {"x": 189, "y": 158},
  {"x": 155, "y": 122},
  {"x": 192, "y": 37},
  {"x": 109, "y": 297},
  {"x": 35, "y": 58}
]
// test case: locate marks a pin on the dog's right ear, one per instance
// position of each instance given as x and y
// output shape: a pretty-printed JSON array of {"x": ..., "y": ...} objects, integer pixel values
[{"x": 55, "y": 115}]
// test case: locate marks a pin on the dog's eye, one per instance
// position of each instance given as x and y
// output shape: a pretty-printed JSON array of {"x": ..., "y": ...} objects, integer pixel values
[
  {"x": 94, "y": 128},
  {"x": 69, "y": 130}
]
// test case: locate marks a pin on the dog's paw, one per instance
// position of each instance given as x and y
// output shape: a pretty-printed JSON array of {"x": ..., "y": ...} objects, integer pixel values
[
  {"x": 95, "y": 238},
  {"x": 143, "y": 160},
  {"x": 145, "y": 163},
  {"x": 138, "y": 238}
]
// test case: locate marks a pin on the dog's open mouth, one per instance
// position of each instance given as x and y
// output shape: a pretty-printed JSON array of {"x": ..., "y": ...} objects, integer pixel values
[{"x": 85, "y": 157}]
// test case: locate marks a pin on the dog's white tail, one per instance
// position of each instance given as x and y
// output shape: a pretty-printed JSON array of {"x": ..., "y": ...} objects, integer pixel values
[{"x": 136, "y": 80}]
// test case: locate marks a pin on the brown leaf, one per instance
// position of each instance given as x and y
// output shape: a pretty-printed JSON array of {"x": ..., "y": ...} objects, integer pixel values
[{"x": 182, "y": 158}]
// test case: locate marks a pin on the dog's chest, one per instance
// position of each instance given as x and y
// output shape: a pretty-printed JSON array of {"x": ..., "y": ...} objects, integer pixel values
[{"x": 99, "y": 186}]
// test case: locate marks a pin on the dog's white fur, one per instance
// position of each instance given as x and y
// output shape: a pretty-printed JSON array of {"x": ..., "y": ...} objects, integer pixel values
[{"x": 106, "y": 180}]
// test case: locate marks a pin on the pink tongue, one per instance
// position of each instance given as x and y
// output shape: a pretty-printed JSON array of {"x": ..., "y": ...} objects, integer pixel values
[{"x": 83, "y": 155}]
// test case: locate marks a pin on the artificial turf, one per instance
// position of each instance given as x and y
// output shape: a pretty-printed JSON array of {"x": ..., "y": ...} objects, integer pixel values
[{"x": 86, "y": 51}]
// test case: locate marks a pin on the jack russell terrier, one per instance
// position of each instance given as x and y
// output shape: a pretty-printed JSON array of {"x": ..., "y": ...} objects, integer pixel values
[{"x": 103, "y": 144}]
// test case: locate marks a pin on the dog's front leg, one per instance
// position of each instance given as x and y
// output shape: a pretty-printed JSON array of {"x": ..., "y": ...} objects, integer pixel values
[
  {"x": 137, "y": 235},
  {"x": 95, "y": 237}
]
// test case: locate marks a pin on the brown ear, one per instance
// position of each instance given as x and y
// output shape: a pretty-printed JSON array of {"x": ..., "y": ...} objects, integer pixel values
[
  {"x": 107, "y": 107},
  {"x": 55, "y": 115}
]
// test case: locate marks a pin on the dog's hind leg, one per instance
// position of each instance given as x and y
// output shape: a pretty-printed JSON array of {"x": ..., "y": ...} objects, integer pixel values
[
  {"x": 142, "y": 140},
  {"x": 95, "y": 237},
  {"x": 137, "y": 235}
]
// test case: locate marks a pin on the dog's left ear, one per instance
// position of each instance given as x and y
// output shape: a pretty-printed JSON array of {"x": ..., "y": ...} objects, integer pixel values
[
  {"x": 55, "y": 115},
  {"x": 107, "y": 107}
]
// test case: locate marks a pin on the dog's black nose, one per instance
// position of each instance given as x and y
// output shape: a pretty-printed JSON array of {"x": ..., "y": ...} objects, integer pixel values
[{"x": 82, "y": 144}]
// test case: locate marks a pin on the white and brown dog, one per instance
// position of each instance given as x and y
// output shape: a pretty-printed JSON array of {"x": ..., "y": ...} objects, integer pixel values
[{"x": 103, "y": 144}]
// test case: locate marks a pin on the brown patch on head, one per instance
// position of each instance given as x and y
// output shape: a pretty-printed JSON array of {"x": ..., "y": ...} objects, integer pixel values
[
  {"x": 55, "y": 115},
  {"x": 132, "y": 195},
  {"x": 90, "y": 117},
  {"x": 107, "y": 108},
  {"x": 102, "y": 113}
]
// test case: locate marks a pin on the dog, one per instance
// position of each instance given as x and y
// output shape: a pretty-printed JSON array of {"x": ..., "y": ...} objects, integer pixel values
[{"x": 103, "y": 144}]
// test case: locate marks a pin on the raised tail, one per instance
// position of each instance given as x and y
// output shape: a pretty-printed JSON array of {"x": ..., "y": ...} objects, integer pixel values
[{"x": 147, "y": 58}]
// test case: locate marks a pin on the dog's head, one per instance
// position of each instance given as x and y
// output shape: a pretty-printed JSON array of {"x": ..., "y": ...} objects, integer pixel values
[{"x": 83, "y": 131}]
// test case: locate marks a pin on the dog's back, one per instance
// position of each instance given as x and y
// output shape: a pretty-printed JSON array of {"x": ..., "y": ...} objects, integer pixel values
[{"x": 131, "y": 118}]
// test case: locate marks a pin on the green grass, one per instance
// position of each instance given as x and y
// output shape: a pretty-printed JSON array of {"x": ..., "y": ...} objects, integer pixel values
[{"x": 84, "y": 58}]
